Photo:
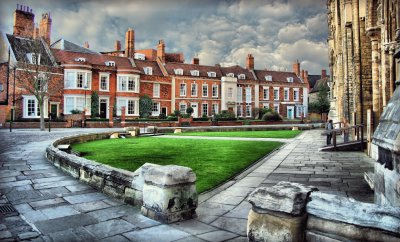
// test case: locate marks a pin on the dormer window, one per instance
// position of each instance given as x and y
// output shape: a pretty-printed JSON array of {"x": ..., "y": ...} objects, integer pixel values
[
  {"x": 148, "y": 70},
  {"x": 230, "y": 75},
  {"x": 268, "y": 78},
  {"x": 80, "y": 59},
  {"x": 139, "y": 56},
  {"x": 178, "y": 71},
  {"x": 33, "y": 58},
  {"x": 211, "y": 74},
  {"x": 194, "y": 73},
  {"x": 242, "y": 76},
  {"x": 110, "y": 63},
  {"x": 290, "y": 79}
]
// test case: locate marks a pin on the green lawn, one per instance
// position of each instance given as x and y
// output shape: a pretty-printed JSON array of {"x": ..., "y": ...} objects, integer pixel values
[
  {"x": 213, "y": 161},
  {"x": 283, "y": 134}
]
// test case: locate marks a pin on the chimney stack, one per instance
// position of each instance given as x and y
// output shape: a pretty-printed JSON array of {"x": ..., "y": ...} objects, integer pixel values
[
  {"x": 161, "y": 51},
  {"x": 196, "y": 61},
  {"x": 130, "y": 43},
  {"x": 117, "y": 45},
  {"x": 306, "y": 76},
  {"x": 296, "y": 68},
  {"x": 45, "y": 27},
  {"x": 323, "y": 73},
  {"x": 302, "y": 74},
  {"x": 250, "y": 62},
  {"x": 24, "y": 25},
  {"x": 86, "y": 45}
]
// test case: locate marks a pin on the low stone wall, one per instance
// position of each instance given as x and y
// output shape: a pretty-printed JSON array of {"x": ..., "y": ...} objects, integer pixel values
[
  {"x": 167, "y": 193},
  {"x": 115, "y": 182},
  {"x": 294, "y": 212},
  {"x": 28, "y": 125},
  {"x": 232, "y": 128}
]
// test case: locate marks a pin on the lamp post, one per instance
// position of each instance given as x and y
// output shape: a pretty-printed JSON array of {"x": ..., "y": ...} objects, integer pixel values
[{"x": 84, "y": 108}]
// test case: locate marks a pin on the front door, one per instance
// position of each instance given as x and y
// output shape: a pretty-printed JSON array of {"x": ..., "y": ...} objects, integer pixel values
[
  {"x": 53, "y": 111},
  {"x": 195, "y": 113},
  {"x": 164, "y": 110},
  {"x": 103, "y": 108},
  {"x": 290, "y": 112}
]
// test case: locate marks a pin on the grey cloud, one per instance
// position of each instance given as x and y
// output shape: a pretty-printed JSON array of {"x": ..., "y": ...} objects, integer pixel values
[{"x": 217, "y": 31}]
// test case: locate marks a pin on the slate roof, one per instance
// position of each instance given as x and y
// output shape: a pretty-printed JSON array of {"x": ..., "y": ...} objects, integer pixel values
[
  {"x": 312, "y": 80},
  {"x": 22, "y": 46},
  {"x": 170, "y": 67},
  {"x": 66, "y": 45},
  {"x": 141, "y": 64},
  {"x": 277, "y": 76},
  {"x": 69, "y": 57},
  {"x": 387, "y": 134},
  {"x": 320, "y": 84},
  {"x": 237, "y": 70}
]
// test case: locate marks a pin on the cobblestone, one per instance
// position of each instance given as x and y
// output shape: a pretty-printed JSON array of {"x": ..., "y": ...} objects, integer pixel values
[{"x": 64, "y": 209}]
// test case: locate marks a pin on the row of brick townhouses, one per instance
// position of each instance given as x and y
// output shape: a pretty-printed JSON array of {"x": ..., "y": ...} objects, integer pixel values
[{"x": 121, "y": 76}]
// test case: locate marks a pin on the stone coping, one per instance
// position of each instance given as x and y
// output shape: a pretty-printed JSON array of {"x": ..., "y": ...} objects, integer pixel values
[{"x": 112, "y": 181}]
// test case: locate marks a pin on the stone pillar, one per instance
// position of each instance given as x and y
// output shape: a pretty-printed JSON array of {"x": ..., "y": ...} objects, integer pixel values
[
  {"x": 110, "y": 115},
  {"x": 84, "y": 118},
  {"x": 169, "y": 193},
  {"x": 392, "y": 70},
  {"x": 375, "y": 80},
  {"x": 278, "y": 212},
  {"x": 123, "y": 116}
]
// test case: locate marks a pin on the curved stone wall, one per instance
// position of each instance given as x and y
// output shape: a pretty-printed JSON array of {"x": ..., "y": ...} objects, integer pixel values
[{"x": 115, "y": 182}]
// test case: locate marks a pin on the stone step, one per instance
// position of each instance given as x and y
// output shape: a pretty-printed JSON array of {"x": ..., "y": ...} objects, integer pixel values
[{"x": 369, "y": 178}]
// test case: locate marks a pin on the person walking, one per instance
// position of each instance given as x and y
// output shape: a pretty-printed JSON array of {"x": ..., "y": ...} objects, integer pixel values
[
  {"x": 329, "y": 127},
  {"x": 346, "y": 131}
]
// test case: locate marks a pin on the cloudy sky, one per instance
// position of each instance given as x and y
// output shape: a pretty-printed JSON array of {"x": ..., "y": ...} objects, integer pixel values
[{"x": 276, "y": 32}]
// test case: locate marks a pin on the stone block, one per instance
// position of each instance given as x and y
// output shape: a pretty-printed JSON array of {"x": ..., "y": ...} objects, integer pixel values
[
  {"x": 271, "y": 227},
  {"x": 295, "y": 128},
  {"x": 169, "y": 193},
  {"x": 97, "y": 181},
  {"x": 284, "y": 197},
  {"x": 330, "y": 230},
  {"x": 134, "y": 131},
  {"x": 114, "y": 136},
  {"x": 347, "y": 210},
  {"x": 177, "y": 131},
  {"x": 133, "y": 196}
]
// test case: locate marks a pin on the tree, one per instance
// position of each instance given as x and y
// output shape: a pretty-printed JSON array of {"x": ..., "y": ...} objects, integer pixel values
[
  {"x": 189, "y": 110},
  {"x": 37, "y": 74},
  {"x": 322, "y": 104},
  {"x": 94, "y": 105},
  {"x": 145, "y": 106}
]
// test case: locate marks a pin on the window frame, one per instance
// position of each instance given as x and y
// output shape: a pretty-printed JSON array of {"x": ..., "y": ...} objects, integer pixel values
[
  {"x": 76, "y": 102},
  {"x": 202, "y": 109},
  {"x": 276, "y": 97},
  {"x": 242, "y": 76},
  {"x": 148, "y": 70},
  {"x": 182, "y": 92},
  {"x": 286, "y": 94},
  {"x": 156, "y": 112},
  {"x": 124, "y": 102},
  {"x": 107, "y": 75},
  {"x": 195, "y": 73},
  {"x": 216, "y": 90},
  {"x": 239, "y": 94},
  {"x": 265, "y": 93},
  {"x": 156, "y": 91},
  {"x": 268, "y": 78},
  {"x": 214, "y": 110},
  {"x": 193, "y": 94},
  {"x": 212, "y": 74},
  {"x": 204, "y": 94},
  {"x": 296, "y": 97},
  {"x": 72, "y": 83},
  {"x": 127, "y": 78},
  {"x": 178, "y": 71}
]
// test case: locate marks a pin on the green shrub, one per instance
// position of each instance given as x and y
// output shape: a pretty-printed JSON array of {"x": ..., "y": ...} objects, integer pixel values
[
  {"x": 76, "y": 111},
  {"x": 145, "y": 106},
  {"x": 94, "y": 105},
  {"x": 272, "y": 116},
  {"x": 264, "y": 111},
  {"x": 162, "y": 116},
  {"x": 189, "y": 110}
]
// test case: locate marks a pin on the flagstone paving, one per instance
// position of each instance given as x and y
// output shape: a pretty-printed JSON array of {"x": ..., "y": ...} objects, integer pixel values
[{"x": 53, "y": 206}]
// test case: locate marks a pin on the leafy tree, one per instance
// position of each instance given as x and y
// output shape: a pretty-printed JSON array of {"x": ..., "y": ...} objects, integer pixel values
[
  {"x": 94, "y": 104},
  {"x": 38, "y": 76},
  {"x": 322, "y": 104},
  {"x": 189, "y": 110},
  {"x": 145, "y": 106}
]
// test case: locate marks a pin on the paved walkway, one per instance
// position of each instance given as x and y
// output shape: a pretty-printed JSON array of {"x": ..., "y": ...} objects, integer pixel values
[{"x": 55, "y": 206}]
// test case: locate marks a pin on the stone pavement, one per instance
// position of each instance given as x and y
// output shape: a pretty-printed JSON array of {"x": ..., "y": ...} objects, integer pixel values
[{"x": 56, "y": 207}]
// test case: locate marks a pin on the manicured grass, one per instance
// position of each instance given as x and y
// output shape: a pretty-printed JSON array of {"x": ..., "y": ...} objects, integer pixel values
[
  {"x": 283, "y": 134},
  {"x": 213, "y": 161}
]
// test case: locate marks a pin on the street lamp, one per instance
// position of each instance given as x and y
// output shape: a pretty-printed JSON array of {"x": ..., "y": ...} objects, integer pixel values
[{"x": 84, "y": 108}]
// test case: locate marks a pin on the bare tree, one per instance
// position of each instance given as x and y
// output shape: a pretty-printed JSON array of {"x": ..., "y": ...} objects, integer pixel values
[{"x": 37, "y": 73}]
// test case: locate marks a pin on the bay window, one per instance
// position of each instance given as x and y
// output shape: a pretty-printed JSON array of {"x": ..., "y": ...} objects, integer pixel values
[
  {"x": 78, "y": 79},
  {"x": 127, "y": 83}
]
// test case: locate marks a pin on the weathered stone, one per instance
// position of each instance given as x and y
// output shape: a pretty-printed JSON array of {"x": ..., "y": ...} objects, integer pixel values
[
  {"x": 268, "y": 227},
  {"x": 177, "y": 131},
  {"x": 330, "y": 230},
  {"x": 134, "y": 131},
  {"x": 169, "y": 175},
  {"x": 169, "y": 193},
  {"x": 114, "y": 136},
  {"x": 347, "y": 210},
  {"x": 284, "y": 197}
]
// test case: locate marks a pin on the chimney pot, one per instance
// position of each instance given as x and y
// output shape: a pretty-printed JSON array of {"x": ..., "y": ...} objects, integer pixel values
[
  {"x": 196, "y": 61},
  {"x": 250, "y": 62}
]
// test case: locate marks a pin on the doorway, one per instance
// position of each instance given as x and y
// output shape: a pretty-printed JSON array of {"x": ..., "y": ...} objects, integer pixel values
[
  {"x": 164, "y": 111},
  {"x": 103, "y": 108},
  {"x": 195, "y": 113},
  {"x": 290, "y": 112},
  {"x": 53, "y": 111}
]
